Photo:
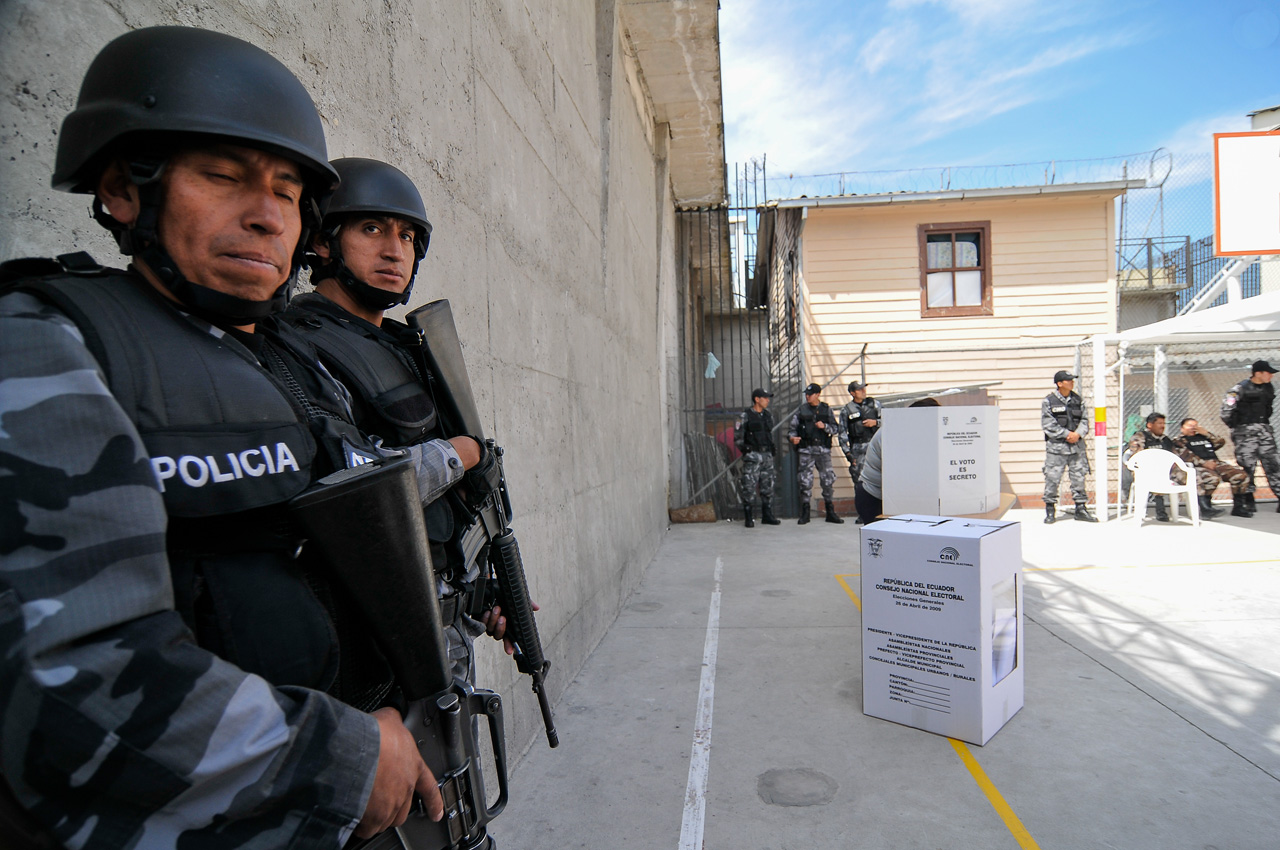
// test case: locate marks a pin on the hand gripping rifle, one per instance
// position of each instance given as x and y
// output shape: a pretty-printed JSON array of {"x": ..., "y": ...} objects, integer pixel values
[
  {"x": 487, "y": 498},
  {"x": 366, "y": 525}
]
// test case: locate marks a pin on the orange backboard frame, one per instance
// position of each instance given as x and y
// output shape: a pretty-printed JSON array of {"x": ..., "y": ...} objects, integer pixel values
[{"x": 1217, "y": 198}]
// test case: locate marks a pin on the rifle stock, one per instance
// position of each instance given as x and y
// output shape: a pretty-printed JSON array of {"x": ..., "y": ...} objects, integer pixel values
[{"x": 366, "y": 525}]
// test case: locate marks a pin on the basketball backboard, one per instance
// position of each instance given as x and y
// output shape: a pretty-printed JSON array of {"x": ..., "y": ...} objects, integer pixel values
[{"x": 1246, "y": 193}]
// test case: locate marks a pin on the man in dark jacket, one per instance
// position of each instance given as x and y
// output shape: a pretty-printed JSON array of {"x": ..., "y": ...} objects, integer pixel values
[
  {"x": 1246, "y": 410},
  {"x": 753, "y": 436}
]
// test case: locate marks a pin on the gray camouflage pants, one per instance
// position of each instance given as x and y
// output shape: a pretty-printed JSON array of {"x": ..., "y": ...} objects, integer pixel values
[
  {"x": 1256, "y": 443},
  {"x": 820, "y": 457},
  {"x": 757, "y": 475},
  {"x": 1078, "y": 464}
]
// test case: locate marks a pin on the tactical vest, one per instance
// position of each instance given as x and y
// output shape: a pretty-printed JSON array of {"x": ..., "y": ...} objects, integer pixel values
[
  {"x": 1067, "y": 415},
  {"x": 230, "y": 442},
  {"x": 757, "y": 431},
  {"x": 1151, "y": 441},
  {"x": 374, "y": 364},
  {"x": 809, "y": 432},
  {"x": 1201, "y": 446},
  {"x": 1254, "y": 402},
  {"x": 856, "y": 412}
]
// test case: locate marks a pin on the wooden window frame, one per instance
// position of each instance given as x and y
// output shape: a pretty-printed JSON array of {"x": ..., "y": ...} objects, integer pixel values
[{"x": 984, "y": 267}]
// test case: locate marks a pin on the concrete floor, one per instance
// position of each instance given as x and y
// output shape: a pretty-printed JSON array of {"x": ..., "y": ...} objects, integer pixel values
[{"x": 1152, "y": 714}]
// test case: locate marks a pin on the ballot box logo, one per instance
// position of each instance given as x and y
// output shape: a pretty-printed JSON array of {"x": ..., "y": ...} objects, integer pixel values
[
  {"x": 949, "y": 555},
  {"x": 874, "y": 545},
  {"x": 946, "y": 420}
]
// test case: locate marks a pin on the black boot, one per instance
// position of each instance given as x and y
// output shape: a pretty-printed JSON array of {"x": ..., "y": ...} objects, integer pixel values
[
  {"x": 1162, "y": 515},
  {"x": 804, "y": 514},
  {"x": 1082, "y": 513},
  {"x": 1050, "y": 513},
  {"x": 832, "y": 516},
  {"x": 1207, "y": 509},
  {"x": 1249, "y": 504},
  {"x": 748, "y": 522},
  {"x": 766, "y": 514},
  {"x": 1237, "y": 506}
]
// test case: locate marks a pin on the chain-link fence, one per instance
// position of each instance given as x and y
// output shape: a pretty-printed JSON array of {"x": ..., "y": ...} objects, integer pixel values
[{"x": 1181, "y": 381}]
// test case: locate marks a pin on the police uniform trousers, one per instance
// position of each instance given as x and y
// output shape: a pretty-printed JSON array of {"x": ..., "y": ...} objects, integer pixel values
[
  {"x": 757, "y": 477},
  {"x": 1075, "y": 461},
  {"x": 819, "y": 457},
  {"x": 1256, "y": 443},
  {"x": 1207, "y": 480}
]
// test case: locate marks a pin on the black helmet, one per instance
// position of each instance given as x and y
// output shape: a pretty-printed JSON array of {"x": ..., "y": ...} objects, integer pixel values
[
  {"x": 154, "y": 90},
  {"x": 370, "y": 186},
  {"x": 187, "y": 80}
]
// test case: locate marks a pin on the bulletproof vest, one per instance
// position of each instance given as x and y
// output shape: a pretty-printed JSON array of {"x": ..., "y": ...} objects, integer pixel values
[
  {"x": 867, "y": 409},
  {"x": 230, "y": 441},
  {"x": 1067, "y": 415},
  {"x": 1254, "y": 402},
  {"x": 757, "y": 431},
  {"x": 1151, "y": 441},
  {"x": 376, "y": 365},
  {"x": 1201, "y": 446},
  {"x": 809, "y": 432}
]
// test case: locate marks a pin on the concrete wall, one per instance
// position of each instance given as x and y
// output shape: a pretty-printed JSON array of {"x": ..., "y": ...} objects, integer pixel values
[{"x": 546, "y": 179}]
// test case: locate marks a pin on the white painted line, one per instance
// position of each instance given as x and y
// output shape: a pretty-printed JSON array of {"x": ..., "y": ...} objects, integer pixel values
[{"x": 695, "y": 795}]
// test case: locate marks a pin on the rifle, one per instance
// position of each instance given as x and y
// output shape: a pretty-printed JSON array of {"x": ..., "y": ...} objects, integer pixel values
[
  {"x": 366, "y": 525},
  {"x": 488, "y": 499}
]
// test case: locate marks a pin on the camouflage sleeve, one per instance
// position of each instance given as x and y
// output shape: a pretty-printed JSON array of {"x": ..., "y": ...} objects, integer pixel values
[
  {"x": 739, "y": 440},
  {"x": 119, "y": 730},
  {"x": 793, "y": 428},
  {"x": 1228, "y": 409},
  {"x": 1182, "y": 450},
  {"x": 843, "y": 430},
  {"x": 1048, "y": 423},
  {"x": 1137, "y": 442},
  {"x": 1216, "y": 441},
  {"x": 439, "y": 468}
]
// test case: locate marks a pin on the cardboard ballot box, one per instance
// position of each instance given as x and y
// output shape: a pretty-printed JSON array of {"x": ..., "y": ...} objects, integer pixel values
[
  {"x": 941, "y": 460},
  {"x": 942, "y": 624}
]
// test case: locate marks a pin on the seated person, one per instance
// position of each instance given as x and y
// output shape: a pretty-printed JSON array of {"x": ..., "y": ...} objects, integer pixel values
[{"x": 1199, "y": 448}]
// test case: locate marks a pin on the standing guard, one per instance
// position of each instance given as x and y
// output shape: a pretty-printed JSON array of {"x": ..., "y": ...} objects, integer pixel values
[
  {"x": 859, "y": 421},
  {"x": 1065, "y": 425},
  {"x": 812, "y": 425},
  {"x": 753, "y": 435},
  {"x": 1246, "y": 410}
]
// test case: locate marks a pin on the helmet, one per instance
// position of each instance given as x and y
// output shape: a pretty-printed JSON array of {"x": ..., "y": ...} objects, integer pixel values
[
  {"x": 187, "y": 80},
  {"x": 146, "y": 94},
  {"x": 369, "y": 186}
]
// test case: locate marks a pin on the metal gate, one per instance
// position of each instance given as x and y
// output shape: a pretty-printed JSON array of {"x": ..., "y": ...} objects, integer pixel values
[{"x": 736, "y": 337}]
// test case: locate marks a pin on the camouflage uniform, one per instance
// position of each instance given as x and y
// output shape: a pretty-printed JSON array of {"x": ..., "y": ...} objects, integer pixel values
[
  {"x": 854, "y": 436},
  {"x": 1207, "y": 480},
  {"x": 122, "y": 731},
  {"x": 1247, "y": 409},
  {"x": 815, "y": 451},
  {"x": 758, "y": 478},
  {"x": 1059, "y": 454}
]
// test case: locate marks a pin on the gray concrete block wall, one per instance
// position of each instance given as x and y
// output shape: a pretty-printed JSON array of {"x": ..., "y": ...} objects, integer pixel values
[{"x": 546, "y": 182}]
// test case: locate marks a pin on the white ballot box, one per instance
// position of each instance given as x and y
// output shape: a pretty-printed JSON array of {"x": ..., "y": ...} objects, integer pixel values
[
  {"x": 942, "y": 624},
  {"x": 941, "y": 460}
]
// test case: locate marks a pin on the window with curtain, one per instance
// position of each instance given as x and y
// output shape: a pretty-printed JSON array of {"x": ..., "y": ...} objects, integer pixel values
[{"x": 955, "y": 269}]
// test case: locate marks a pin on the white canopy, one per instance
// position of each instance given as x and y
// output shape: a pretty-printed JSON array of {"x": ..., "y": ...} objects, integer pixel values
[{"x": 1236, "y": 321}]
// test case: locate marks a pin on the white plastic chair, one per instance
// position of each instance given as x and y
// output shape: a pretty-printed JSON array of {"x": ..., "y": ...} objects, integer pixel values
[{"x": 1151, "y": 475}]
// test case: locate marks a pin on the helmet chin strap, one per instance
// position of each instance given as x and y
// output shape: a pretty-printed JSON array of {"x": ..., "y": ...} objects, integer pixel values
[
  {"x": 141, "y": 241},
  {"x": 367, "y": 296}
]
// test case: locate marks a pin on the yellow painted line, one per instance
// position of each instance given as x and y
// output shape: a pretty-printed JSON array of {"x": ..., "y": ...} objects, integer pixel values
[
  {"x": 1006, "y": 814},
  {"x": 1020, "y": 834},
  {"x": 848, "y": 589}
]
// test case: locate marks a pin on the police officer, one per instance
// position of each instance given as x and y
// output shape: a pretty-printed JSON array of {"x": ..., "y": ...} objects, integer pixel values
[
  {"x": 753, "y": 435},
  {"x": 1153, "y": 436},
  {"x": 859, "y": 421},
  {"x": 1199, "y": 447},
  {"x": 812, "y": 425},
  {"x": 373, "y": 235},
  {"x": 1246, "y": 410},
  {"x": 1065, "y": 425},
  {"x": 172, "y": 667}
]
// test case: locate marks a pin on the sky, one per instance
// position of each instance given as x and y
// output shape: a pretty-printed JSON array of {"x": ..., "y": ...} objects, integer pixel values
[{"x": 820, "y": 86}]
